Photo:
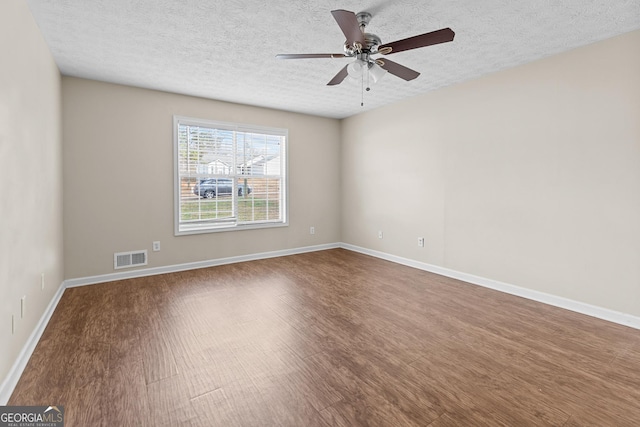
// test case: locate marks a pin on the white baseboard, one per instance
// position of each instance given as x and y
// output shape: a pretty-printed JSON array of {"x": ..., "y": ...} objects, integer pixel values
[
  {"x": 561, "y": 302},
  {"x": 11, "y": 380},
  {"x": 92, "y": 280}
]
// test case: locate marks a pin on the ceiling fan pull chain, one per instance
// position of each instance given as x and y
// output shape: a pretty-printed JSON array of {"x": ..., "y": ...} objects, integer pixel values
[{"x": 362, "y": 91}]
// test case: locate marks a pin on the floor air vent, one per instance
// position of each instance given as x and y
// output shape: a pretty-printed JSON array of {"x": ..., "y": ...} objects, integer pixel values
[{"x": 129, "y": 259}]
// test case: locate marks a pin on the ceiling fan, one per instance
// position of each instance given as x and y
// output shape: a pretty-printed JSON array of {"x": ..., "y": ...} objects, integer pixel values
[{"x": 361, "y": 45}]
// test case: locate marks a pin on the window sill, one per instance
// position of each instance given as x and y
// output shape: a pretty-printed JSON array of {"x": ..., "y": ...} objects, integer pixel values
[{"x": 186, "y": 230}]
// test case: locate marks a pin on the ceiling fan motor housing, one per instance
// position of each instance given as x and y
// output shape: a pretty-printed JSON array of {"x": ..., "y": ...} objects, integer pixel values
[{"x": 372, "y": 42}]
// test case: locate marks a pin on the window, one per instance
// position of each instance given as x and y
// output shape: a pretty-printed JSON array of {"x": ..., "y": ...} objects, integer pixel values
[{"x": 228, "y": 176}]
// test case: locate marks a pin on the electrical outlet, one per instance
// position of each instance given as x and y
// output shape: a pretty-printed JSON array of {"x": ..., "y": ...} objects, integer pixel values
[
  {"x": 42, "y": 281},
  {"x": 379, "y": 234},
  {"x": 156, "y": 246},
  {"x": 23, "y": 306},
  {"x": 312, "y": 230},
  {"x": 421, "y": 242}
]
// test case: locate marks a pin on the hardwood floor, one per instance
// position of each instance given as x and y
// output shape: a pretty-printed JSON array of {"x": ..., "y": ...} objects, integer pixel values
[{"x": 330, "y": 338}]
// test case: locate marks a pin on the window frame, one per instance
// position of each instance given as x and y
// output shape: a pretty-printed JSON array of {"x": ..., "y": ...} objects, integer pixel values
[{"x": 203, "y": 228}]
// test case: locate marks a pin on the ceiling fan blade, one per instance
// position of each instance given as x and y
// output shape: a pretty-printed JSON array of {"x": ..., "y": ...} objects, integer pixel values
[
  {"x": 435, "y": 37},
  {"x": 309, "y": 55},
  {"x": 398, "y": 70},
  {"x": 342, "y": 74},
  {"x": 349, "y": 25}
]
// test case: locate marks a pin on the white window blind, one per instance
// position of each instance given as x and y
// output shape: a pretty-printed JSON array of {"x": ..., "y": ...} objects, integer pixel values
[{"x": 228, "y": 176}]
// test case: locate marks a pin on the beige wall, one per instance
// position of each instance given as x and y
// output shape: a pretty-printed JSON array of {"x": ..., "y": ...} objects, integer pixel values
[
  {"x": 530, "y": 176},
  {"x": 30, "y": 177},
  {"x": 118, "y": 178}
]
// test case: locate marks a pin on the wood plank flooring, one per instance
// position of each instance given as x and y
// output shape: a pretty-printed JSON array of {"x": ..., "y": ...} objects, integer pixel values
[{"x": 331, "y": 338}]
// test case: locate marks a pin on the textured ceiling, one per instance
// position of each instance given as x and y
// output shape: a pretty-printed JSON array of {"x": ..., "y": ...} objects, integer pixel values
[{"x": 225, "y": 49}]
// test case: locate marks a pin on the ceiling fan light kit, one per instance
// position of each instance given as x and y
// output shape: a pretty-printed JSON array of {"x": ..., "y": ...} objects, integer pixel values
[
  {"x": 361, "y": 45},
  {"x": 356, "y": 68},
  {"x": 376, "y": 72}
]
